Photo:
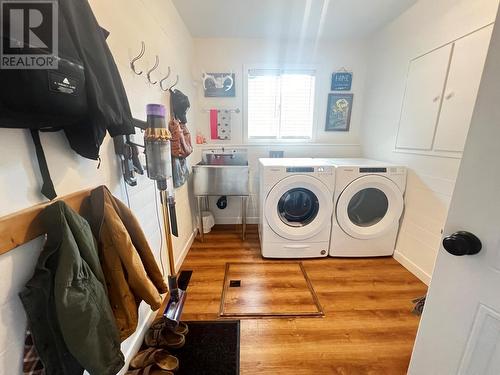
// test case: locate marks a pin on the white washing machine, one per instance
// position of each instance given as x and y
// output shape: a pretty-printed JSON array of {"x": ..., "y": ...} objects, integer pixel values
[
  {"x": 296, "y": 207},
  {"x": 368, "y": 204}
]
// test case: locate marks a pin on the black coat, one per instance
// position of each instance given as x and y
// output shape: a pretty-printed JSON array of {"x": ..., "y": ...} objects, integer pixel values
[
  {"x": 94, "y": 103},
  {"x": 100, "y": 103},
  {"x": 108, "y": 107}
]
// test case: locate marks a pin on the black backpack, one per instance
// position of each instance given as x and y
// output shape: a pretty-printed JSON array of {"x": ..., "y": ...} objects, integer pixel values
[{"x": 84, "y": 96}]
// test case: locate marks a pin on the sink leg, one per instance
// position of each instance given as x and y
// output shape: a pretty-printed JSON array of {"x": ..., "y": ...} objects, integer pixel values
[
  {"x": 200, "y": 215},
  {"x": 243, "y": 218}
]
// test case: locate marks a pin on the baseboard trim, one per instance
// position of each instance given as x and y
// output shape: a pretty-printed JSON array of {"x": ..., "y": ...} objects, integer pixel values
[
  {"x": 185, "y": 250},
  {"x": 235, "y": 220},
  {"x": 412, "y": 267}
]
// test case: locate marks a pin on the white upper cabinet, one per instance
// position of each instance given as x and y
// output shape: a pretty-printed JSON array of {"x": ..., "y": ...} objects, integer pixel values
[
  {"x": 466, "y": 68},
  {"x": 426, "y": 79},
  {"x": 440, "y": 94}
]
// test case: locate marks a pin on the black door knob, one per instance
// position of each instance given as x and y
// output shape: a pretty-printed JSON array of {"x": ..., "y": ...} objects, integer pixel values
[{"x": 462, "y": 243}]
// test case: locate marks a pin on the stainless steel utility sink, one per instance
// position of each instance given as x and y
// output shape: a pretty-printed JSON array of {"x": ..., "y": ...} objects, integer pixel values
[{"x": 221, "y": 172}]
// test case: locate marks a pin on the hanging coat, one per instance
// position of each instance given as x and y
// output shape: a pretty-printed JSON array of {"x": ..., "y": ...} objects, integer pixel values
[
  {"x": 130, "y": 269},
  {"x": 93, "y": 103},
  {"x": 66, "y": 303},
  {"x": 108, "y": 107}
]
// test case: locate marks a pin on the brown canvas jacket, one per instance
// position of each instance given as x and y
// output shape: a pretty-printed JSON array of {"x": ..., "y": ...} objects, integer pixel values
[{"x": 131, "y": 272}]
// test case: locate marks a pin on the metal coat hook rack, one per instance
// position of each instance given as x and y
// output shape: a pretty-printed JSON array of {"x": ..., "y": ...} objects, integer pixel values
[
  {"x": 148, "y": 74},
  {"x": 175, "y": 83},
  {"x": 164, "y": 79},
  {"x": 139, "y": 56},
  {"x": 155, "y": 66}
]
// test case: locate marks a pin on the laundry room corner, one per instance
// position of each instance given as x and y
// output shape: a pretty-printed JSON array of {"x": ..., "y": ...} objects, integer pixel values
[{"x": 431, "y": 174}]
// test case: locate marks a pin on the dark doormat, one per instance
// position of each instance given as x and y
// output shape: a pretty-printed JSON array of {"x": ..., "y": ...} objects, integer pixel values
[{"x": 212, "y": 347}]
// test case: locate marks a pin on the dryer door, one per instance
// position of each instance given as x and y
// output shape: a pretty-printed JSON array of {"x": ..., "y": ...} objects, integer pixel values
[
  {"x": 369, "y": 207},
  {"x": 299, "y": 207}
]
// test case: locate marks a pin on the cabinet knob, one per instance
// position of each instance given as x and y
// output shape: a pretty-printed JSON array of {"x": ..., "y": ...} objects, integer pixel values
[
  {"x": 436, "y": 98},
  {"x": 462, "y": 243},
  {"x": 449, "y": 95}
]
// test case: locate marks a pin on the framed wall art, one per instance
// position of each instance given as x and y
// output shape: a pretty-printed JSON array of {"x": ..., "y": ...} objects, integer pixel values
[
  {"x": 338, "y": 115},
  {"x": 219, "y": 85},
  {"x": 341, "y": 81}
]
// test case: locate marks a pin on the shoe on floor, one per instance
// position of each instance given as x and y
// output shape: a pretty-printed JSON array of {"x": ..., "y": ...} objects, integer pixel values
[
  {"x": 162, "y": 358},
  {"x": 164, "y": 338},
  {"x": 150, "y": 370},
  {"x": 181, "y": 329}
]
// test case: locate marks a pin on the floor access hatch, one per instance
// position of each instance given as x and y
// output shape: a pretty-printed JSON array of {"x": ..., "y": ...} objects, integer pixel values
[{"x": 277, "y": 289}]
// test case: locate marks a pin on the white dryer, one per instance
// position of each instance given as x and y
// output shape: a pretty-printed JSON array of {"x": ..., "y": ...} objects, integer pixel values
[
  {"x": 368, "y": 204},
  {"x": 295, "y": 207}
]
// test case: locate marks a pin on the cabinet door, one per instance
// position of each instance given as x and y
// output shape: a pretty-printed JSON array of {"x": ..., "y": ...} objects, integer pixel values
[
  {"x": 424, "y": 88},
  {"x": 466, "y": 68}
]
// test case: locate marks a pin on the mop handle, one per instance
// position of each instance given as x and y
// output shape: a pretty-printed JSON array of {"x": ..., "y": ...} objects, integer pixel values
[{"x": 168, "y": 233}]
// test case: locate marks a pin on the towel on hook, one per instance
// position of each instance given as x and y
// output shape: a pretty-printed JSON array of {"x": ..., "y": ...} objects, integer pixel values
[
  {"x": 224, "y": 124},
  {"x": 220, "y": 124},
  {"x": 213, "y": 124}
]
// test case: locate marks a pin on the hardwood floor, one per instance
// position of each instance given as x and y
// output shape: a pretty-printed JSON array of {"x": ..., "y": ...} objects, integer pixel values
[{"x": 368, "y": 326}]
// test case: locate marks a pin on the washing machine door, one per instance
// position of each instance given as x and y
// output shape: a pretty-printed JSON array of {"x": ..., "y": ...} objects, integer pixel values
[
  {"x": 299, "y": 207},
  {"x": 369, "y": 207}
]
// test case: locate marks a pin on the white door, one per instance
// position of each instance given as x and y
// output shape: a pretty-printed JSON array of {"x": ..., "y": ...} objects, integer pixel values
[
  {"x": 299, "y": 207},
  {"x": 369, "y": 207},
  {"x": 460, "y": 328},
  {"x": 466, "y": 67},
  {"x": 424, "y": 87}
]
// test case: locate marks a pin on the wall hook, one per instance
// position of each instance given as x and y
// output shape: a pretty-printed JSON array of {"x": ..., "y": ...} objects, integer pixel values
[
  {"x": 175, "y": 83},
  {"x": 148, "y": 74},
  {"x": 132, "y": 63},
  {"x": 164, "y": 79}
]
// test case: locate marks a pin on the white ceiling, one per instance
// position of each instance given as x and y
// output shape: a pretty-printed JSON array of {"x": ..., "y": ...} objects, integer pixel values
[{"x": 288, "y": 19}]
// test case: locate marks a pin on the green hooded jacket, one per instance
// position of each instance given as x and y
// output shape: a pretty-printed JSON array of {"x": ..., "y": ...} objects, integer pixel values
[{"x": 66, "y": 302}]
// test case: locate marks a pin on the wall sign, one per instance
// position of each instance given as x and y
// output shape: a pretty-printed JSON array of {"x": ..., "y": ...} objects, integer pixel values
[
  {"x": 341, "y": 81},
  {"x": 338, "y": 115},
  {"x": 218, "y": 85}
]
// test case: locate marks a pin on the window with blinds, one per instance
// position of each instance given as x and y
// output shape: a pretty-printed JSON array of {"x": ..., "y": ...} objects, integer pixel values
[{"x": 280, "y": 104}]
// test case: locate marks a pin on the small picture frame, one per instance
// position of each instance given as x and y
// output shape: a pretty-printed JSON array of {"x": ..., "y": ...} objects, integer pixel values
[
  {"x": 338, "y": 113},
  {"x": 341, "y": 81}
]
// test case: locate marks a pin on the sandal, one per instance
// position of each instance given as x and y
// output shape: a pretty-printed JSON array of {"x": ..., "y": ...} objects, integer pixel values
[
  {"x": 150, "y": 370},
  {"x": 181, "y": 329},
  {"x": 159, "y": 337},
  {"x": 160, "y": 357}
]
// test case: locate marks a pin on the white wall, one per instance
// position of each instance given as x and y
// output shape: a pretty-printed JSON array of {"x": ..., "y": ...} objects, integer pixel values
[
  {"x": 231, "y": 55},
  {"x": 425, "y": 26},
  {"x": 129, "y": 21}
]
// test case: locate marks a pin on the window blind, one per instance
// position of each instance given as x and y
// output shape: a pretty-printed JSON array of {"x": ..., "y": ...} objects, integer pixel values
[{"x": 280, "y": 103}]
